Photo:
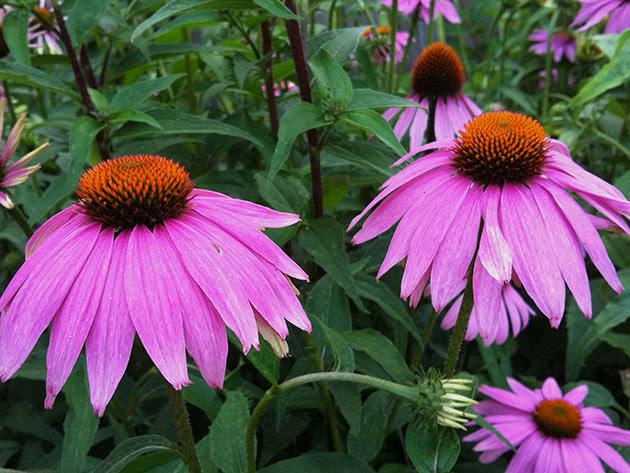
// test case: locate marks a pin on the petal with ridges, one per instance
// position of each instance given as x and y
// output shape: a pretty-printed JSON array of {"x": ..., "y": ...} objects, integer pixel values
[{"x": 494, "y": 250}]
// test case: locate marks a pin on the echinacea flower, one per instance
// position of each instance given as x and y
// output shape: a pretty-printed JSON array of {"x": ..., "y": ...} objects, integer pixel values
[
  {"x": 514, "y": 312},
  {"x": 14, "y": 174},
  {"x": 593, "y": 11},
  {"x": 380, "y": 49},
  {"x": 562, "y": 44},
  {"x": 438, "y": 74},
  {"x": 552, "y": 432},
  {"x": 41, "y": 28},
  {"x": 441, "y": 7},
  {"x": 142, "y": 251},
  {"x": 504, "y": 171}
]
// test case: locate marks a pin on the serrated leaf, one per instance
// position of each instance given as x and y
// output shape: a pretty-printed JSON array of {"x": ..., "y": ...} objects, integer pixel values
[
  {"x": 333, "y": 82},
  {"x": 324, "y": 241},
  {"x": 14, "y": 28},
  {"x": 33, "y": 77},
  {"x": 133, "y": 448},
  {"x": 431, "y": 449},
  {"x": 227, "y": 439},
  {"x": 277, "y": 8},
  {"x": 368, "y": 99},
  {"x": 301, "y": 117},
  {"x": 373, "y": 122}
]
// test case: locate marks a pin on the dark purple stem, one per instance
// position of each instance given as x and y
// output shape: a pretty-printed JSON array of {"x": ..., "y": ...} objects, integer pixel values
[{"x": 267, "y": 47}]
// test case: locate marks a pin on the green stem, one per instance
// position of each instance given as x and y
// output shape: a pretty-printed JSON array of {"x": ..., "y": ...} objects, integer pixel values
[
  {"x": 405, "y": 392},
  {"x": 461, "y": 42},
  {"x": 429, "y": 37},
  {"x": 392, "y": 46},
  {"x": 329, "y": 408},
  {"x": 412, "y": 33},
  {"x": 21, "y": 220},
  {"x": 184, "y": 429},
  {"x": 424, "y": 341},
  {"x": 548, "y": 64},
  {"x": 459, "y": 332},
  {"x": 192, "y": 102}
]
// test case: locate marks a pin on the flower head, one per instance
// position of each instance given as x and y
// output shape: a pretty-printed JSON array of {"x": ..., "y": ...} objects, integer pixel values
[
  {"x": 380, "y": 43},
  {"x": 437, "y": 74},
  {"x": 551, "y": 431},
  {"x": 562, "y": 44},
  {"x": 594, "y": 11},
  {"x": 14, "y": 174},
  {"x": 144, "y": 252},
  {"x": 446, "y": 8},
  {"x": 42, "y": 28},
  {"x": 504, "y": 172}
]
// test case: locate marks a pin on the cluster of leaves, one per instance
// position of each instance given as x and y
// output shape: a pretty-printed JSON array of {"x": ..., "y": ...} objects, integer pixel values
[{"x": 184, "y": 79}]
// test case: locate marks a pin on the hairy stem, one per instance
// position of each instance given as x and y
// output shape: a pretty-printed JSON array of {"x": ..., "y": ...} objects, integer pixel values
[
  {"x": 459, "y": 332},
  {"x": 267, "y": 47},
  {"x": 299, "y": 59},
  {"x": 392, "y": 46},
  {"x": 184, "y": 429},
  {"x": 548, "y": 64}
]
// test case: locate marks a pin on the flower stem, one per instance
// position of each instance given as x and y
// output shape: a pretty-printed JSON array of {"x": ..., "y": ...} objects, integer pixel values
[
  {"x": 459, "y": 332},
  {"x": 405, "y": 392},
  {"x": 21, "y": 220},
  {"x": 429, "y": 135},
  {"x": 548, "y": 64},
  {"x": 392, "y": 46},
  {"x": 267, "y": 48},
  {"x": 299, "y": 59},
  {"x": 184, "y": 429},
  {"x": 192, "y": 101},
  {"x": 412, "y": 33},
  {"x": 429, "y": 37}
]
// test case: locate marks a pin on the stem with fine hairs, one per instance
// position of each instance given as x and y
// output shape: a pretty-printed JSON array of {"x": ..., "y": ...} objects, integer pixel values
[{"x": 184, "y": 429}]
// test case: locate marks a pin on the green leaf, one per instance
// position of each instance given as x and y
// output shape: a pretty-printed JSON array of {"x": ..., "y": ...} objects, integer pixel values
[
  {"x": 379, "y": 348},
  {"x": 227, "y": 439},
  {"x": 431, "y": 449},
  {"x": 607, "y": 43},
  {"x": 365, "y": 442},
  {"x": 340, "y": 43},
  {"x": 131, "y": 115},
  {"x": 277, "y": 8},
  {"x": 618, "y": 340},
  {"x": 318, "y": 463},
  {"x": 612, "y": 315},
  {"x": 301, "y": 117},
  {"x": 15, "y": 28},
  {"x": 327, "y": 300},
  {"x": 368, "y": 98},
  {"x": 80, "y": 424},
  {"x": 175, "y": 122},
  {"x": 390, "y": 303},
  {"x": 82, "y": 135},
  {"x": 133, "y": 448},
  {"x": 613, "y": 74},
  {"x": 136, "y": 94},
  {"x": 324, "y": 241},
  {"x": 33, "y": 77},
  {"x": 333, "y": 82},
  {"x": 342, "y": 352},
  {"x": 83, "y": 17},
  {"x": 373, "y": 122},
  {"x": 364, "y": 156}
]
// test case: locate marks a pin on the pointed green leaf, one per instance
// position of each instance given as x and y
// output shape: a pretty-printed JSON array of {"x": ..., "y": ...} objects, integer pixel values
[
  {"x": 431, "y": 449},
  {"x": 368, "y": 98},
  {"x": 333, "y": 82},
  {"x": 133, "y": 448},
  {"x": 14, "y": 28},
  {"x": 227, "y": 435},
  {"x": 277, "y": 8},
  {"x": 373, "y": 122}
]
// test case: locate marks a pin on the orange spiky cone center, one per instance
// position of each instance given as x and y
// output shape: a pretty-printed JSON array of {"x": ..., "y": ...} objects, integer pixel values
[{"x": 134, "y": 190}]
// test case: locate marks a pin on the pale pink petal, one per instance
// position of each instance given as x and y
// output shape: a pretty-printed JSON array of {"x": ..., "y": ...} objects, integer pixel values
[
  {"x": 443, "y": 126},
  {"x": 487, "y": 299},
  {"x": 6, "y": 201},
  {"x": 551, "y": 390},
  {"x": 509, "y": 399},
  {"x": 418, "y": 126},
  {"x": 494, "y": 251},
  {"x": 49, "y": 227},
  {"x": 404, "y": 121},
  {"x": 577, "y": 395},
  {"x": 109, "y": 343},
  {"x": 73, "y": 320},
  {"x": 16, "y": 177},
  {"x": 156, "y": 310}
]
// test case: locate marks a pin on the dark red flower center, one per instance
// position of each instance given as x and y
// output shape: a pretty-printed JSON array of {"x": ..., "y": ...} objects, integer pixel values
[
  {"x": 499, "y": 147},
  {"x": 437, "y": 72},
  {"x": 134, "y": 190},
  {"x": 558, "y": 419}
]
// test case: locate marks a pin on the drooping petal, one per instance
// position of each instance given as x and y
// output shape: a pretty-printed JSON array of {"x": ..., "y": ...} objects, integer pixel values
[
  {"x": 443, "y": 126},
  {"x": 40, "y": 289},
  {"x": 155, "y": 308},
  {"x": 608, "y": 454},
  {"x": 579, "y": 459},
  {"x": 487, "y": 300},
  {"x": 73, "y": 320},
  {"x": 533, "y": 258},
  {"x": 15, "y": 177},
  {"x": 110, "y": 340},
  {"x": 49, "y": 227},
  {"x": 418, "y": 126},
  {"x": 494, "y": 251},
  {"x": 525, "y": 458},
  {"x": 6, "y": 201},
  {"x": 204, "y": 331}
]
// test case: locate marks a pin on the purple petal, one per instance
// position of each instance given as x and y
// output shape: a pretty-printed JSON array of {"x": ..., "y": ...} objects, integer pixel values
[
  {"x": 494, "y": 251},
  {"x": 551, "y": 390},
  {"x": 49, "y": 227}
]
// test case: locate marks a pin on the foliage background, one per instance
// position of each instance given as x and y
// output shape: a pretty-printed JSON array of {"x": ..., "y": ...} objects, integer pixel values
[{"x": 183, "y": 80}]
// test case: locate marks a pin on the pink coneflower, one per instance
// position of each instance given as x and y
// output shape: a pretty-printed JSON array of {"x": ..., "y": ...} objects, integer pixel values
[
  {"x": 142, "y": 251},
  {"x": 380, "y": 48},
  {"x": 594, "y": 11},
  {"x": 442, "y": 7},
  {"x": 562, "y": 44},
  {"x": 505, "y": 171},
  {"x": 552, "y": 432},
  {"x": 437, "y": 74},
  {"x": 41, "y": 29},
  {"x": 513, "y": 312},
  {"x": 14, "y": 174}
]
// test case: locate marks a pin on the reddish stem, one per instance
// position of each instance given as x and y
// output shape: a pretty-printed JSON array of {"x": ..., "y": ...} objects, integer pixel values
[{"x": 267, "y": 48}]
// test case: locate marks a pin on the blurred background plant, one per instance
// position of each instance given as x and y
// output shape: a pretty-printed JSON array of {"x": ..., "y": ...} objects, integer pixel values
[{"x": 188, "y": 79}]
